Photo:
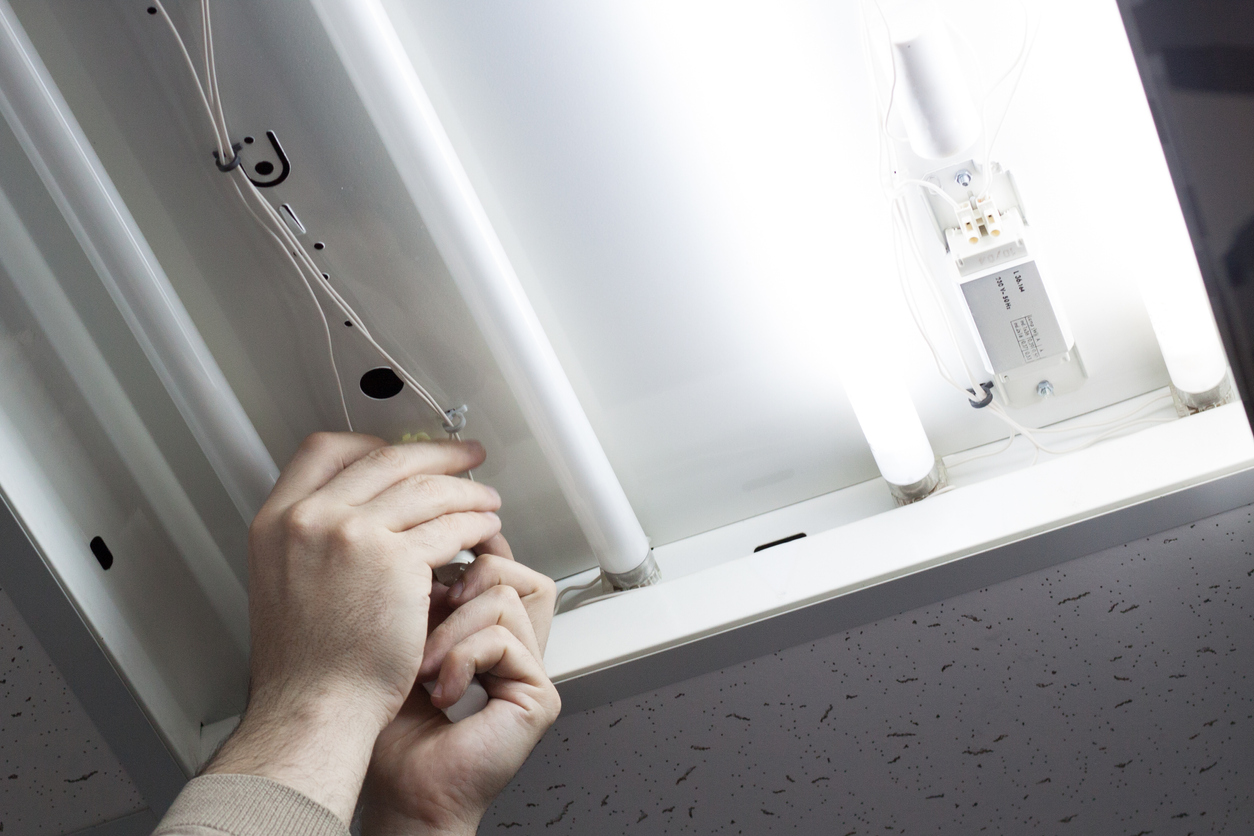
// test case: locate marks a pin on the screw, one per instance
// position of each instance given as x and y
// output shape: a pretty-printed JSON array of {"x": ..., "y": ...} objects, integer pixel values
[
  {"x": 1044, "y": 388},
  {"x": 963, "y": 178}
]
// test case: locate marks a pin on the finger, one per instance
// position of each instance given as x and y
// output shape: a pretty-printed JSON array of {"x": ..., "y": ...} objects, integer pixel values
[
  {"x": 537, "y": 592},
  {"x": 499, "y": 606},
  {"x": 493, "y": 650},
  {"x": 497, "y": 546},
  {"x": 319, "y": 458},
  {"x": 422, "y": 497},
  {"x": 436, "y": 542},
  {"x": 383, "y": 467}
]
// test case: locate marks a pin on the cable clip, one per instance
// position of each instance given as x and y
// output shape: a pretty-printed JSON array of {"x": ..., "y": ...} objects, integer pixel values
[
  {"x": 265, "y": 167},
  {"x": 986, "y": 400},
  {"x": 456, "y": 419},
  {"x": 235, "y": 160}
]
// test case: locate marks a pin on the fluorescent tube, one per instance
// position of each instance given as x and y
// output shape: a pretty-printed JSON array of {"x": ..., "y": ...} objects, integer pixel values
[
  {"x": 384, "y": 77},
  {"x": 1180, "y": 313},
  {"x": 68, "y": 166},
  {"x": 940, "y": 115},
  {"x": 890, "y": 422}
]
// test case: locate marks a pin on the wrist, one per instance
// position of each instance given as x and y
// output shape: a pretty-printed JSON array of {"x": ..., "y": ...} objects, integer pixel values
[
  {"x": 319, "y": 747},
  {"x": 377, "y": 820}
]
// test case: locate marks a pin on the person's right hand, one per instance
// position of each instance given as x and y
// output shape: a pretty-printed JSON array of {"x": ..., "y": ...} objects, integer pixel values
[
  {"x": 340, "y": 569},
  {"x": 429, "y": 776}
]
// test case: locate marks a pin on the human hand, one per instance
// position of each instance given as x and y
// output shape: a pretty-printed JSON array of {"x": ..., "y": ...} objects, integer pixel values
[
  {"x": 430, "y": 776},
  {"x": 340, "y": 561}
]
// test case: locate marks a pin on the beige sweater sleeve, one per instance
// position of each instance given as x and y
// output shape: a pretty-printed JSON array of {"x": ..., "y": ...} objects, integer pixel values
[{"x": 246, "y": 805}]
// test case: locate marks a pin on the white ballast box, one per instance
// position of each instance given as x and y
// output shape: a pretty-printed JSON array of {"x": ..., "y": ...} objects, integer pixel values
[{"x": 1016, "y": 323}]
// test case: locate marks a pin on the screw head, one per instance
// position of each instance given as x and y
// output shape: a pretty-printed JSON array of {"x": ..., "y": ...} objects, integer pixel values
[
  {"x": 963, "y": 178},
  {"x": 1044, "y": 388}
]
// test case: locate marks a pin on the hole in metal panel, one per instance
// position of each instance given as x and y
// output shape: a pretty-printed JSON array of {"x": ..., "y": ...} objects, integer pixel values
[
  {"x": 779, "y": 542},
  {"x": 102, "y": 553},
  {"x": 381, "y": 384}
]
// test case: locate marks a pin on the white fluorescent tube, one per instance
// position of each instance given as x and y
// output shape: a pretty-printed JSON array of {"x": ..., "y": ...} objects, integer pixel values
[
  {"x": 37, "y": 285},
  {"x": 420, "y": 149},
  {"x": 1180, "y": 312},
  {"x": 66, "y": 162},
  {"x": 938, "y": 110},
  {"x": 890, "y": 422}
]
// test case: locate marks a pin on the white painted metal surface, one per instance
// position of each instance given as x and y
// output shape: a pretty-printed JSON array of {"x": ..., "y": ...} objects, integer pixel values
[
  {"x": 874, "y": 550},
  {"x": 71, "y": 171}
]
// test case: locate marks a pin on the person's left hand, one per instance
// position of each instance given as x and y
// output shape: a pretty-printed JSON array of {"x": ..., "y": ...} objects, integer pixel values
[{"x": 430, "y": 776}]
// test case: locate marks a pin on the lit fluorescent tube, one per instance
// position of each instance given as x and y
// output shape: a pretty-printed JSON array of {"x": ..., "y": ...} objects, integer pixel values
[
  {"x": 890, "y": 422},
  {"x": 68, "y": 166},
  {"x": 1181, "y": 316},
  {"x": 385, "y": 79}
]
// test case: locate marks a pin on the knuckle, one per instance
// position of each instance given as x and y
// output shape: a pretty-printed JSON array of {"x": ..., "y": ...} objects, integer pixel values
[
  {"x": 352, "y": 532},
  {"x": 303, "y": 520},
  {"x": 553, "y": 703},
  {"x": 546, "y": 587},
  {"x": 499, "y": 635},
  {"x": 423, "y": 488},
  {"x": 390, "y": 456},
  {"x": 507, "y": 595},
  {"x": 319, "y": 442}
]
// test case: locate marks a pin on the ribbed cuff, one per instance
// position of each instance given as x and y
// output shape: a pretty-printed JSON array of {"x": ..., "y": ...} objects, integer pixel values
[{"x": 247, "y": 805}]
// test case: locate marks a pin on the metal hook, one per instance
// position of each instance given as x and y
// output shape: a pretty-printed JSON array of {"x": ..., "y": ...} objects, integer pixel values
[{"x": 284, "y": 169}]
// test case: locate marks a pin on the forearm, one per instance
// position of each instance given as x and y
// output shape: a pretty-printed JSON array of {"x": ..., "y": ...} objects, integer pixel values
[{"x": 319, "y": 749}]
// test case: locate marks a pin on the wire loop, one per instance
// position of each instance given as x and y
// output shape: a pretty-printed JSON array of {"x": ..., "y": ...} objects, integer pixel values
[{"x": 456, "y": 419}]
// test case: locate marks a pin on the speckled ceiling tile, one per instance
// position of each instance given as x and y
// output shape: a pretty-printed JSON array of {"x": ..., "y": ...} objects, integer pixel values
[
  {"x": 1110, "y": 695},
  {"x": 56, "y": 773}
]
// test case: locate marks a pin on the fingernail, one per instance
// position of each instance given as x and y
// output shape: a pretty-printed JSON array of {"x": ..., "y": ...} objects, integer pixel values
[
  {"x": 457, "y": 590},
  {"x": 437, "y": 691}
]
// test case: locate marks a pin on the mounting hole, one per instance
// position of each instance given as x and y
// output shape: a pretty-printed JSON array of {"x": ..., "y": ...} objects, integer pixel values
[
  {"x": 264, "y": 167},
  {"x": 248, "y": 140},
  {"x": 152, "y": 10},
  {"x": 102, "y": 553},
  {"x": 381, "y": 384},
  {"x": 348, "y": 323},
  {"x": 320, "y": 246},
  {"x": 781, "y": 541}
]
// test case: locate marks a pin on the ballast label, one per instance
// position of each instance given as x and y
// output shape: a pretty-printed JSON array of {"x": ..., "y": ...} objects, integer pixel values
[{"x": 1013, "y": 317}]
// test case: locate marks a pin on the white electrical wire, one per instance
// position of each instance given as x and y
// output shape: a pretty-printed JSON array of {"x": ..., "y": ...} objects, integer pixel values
[
  {"x": 903, "y": 239},
  {"x": 273, "y": 225},
  {"x": 561, "y": 596}
]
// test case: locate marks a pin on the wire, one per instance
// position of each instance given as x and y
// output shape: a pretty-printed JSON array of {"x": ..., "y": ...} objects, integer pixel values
[
  {"x": 268, "y": 218},
  {"x": 1020, "y": 64},
  {"x": 561, "y": 596}
]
